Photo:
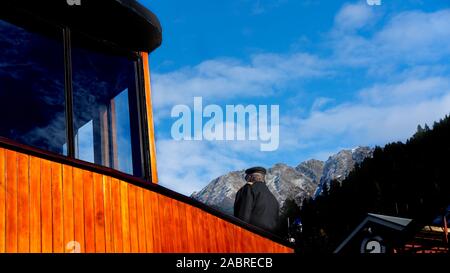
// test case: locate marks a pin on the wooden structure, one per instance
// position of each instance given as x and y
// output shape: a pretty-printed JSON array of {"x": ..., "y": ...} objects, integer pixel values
[
  {"x": 53, "y": 202},
  {"x": 376, "y": 234}
]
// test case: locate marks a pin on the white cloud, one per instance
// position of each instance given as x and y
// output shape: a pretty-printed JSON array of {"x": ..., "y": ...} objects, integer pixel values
[
  {"x": 354, "y": 16},
  {"x": 408, "y": 38},
  {"x": 384, "y": 113},
  {"x": 187, "y": 166},
  {"x": 230, "y": 78},
  {"x": 320, "y": 102},
  {"x": 412, "y": 90}
]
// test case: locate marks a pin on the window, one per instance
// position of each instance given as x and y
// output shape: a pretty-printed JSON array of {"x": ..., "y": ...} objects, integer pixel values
[
  {"x": 32, "y": 102},
  {"x": 42, "y": 69},
  {"x": 105, "y": 107}
]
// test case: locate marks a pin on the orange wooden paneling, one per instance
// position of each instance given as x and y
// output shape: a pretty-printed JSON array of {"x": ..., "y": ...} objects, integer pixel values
[
  {"x": 126, "y": 241},
  {"x": 68, "y": 209},
  {"x": 190, "y": 235},
  {"x": 57, "y": 208},
  {"x": 2, "y": 201},
  {"x": 149, "y": 217},
  {"x": 184, "y": 241},
  {"x": 210, "y": 222},
  {"x": 109, "y": 241},
  {"x": 46, "y": 207},
  {"x": 117, "y": 215},
  {"x": 23, "y": 205},
  {"x": 89, "y": 214},
  {"x": 100, "y": 245},
  {"x": 175, "y": 224},
  {"x": 134, "y": 243},
  {"x": 223, "y": 243},
  {"x": 142, "y": 240},
  {"x": 200, "y": 236},
  {"x": 156, "y": 224},
  {"x": 35, "y": 204},
  {"x": 164, "y": 214},
  {"x": 78, "y": 208},
  {"x": 11, "y": 201},
  {"x": 51, "y": 207}
]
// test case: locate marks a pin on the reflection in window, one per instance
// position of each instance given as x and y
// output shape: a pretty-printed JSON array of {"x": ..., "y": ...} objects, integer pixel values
[
  {"x": 32, "y": 86},
  {"x": 106, "y": 124}
]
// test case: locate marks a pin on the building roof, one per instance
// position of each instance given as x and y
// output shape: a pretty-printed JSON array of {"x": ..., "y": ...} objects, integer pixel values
[
  {"x": 123, "y": 22},
  {"x": 384, "y": 219},
  {"x": 395, "y": 223}
]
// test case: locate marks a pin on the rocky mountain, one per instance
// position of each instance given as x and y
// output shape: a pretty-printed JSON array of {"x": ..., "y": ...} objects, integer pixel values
[
  {"x": 339, "y": 165},
  {"x": 285, "y": 182}
]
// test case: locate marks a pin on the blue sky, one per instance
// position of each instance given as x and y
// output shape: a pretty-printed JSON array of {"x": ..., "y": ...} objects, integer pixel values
[{"x": 344, "y": 74}]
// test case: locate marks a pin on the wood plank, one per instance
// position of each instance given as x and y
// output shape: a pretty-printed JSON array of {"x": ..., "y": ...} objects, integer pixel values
[
  {"x": 46, "y": 207},
  {"x": 231, "y": 238},
  {"x": 222, "y": 244},
  {"x": 239, "y": 239},
  {"x": 2, "y": 201},
  {"x": 89, "y": 214},
  {"x": 184, "y": 239},
  {"x": 218, "y": 234},
  {"x": 166, "y": 223},
  {"x": 213, "y": 230},
  {"x": 78, "y": 208},
  {"x": 109, "y": 241},
  {"x": 125, "y": 217},
  {"x": 228, "y": 234},
  {"x": 149, "y": 215},
  {"x": 11, "y": 202},
  {"x": 204, "y": 222},
  {"x": 190, "y": 229},
  {"x": 150, "y": 125},
  {"x": 68, "y": 208},
  {"x": 133, "y": 219},
  {"x": 174, "y": 219},
  {"x": 35, "y": 205},
  {"x": 99, "y": 210},
  {"x": 200, "y": 236},
  {"x": 141, "y": 220},
  {"x": 23, "y": 205},
  {"x": 100, "y": 245},
  {"x": 156, "y": 223},
  {"x": 57, "y": 208},
  {"x": 117, "y": 215},
  {"x": 251, "y": 242}
]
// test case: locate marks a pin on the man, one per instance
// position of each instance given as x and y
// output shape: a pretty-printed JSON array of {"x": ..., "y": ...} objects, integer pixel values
[{"x": 254, "y": 202}]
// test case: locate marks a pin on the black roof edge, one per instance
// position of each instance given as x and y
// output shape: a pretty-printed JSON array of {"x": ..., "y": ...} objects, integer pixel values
[
  {"x": 145, "y": 13},
  {"x": 126, "y": 23}
]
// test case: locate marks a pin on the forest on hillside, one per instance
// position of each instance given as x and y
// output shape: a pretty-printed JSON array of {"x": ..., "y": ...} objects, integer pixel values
[{"x": 410, "y": 180}]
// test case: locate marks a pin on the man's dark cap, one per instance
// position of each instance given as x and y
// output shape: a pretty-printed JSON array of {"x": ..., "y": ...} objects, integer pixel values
[{"x": 256, "y": 170}]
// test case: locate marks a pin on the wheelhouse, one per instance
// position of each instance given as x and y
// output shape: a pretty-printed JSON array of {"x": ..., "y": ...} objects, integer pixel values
[{"x": 77, "y": 147}]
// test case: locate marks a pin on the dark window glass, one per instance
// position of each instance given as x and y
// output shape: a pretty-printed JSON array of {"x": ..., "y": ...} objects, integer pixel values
[
  {"x": 106, "y": 123},
  {"x": 32, "y": 85}
]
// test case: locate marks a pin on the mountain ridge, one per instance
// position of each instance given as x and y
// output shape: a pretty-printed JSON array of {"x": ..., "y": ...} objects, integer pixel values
[{"x": 305, "y": 180}]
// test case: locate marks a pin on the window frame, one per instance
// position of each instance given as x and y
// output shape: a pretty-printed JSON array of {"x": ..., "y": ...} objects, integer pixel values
[{"x": 145, "y": 160}]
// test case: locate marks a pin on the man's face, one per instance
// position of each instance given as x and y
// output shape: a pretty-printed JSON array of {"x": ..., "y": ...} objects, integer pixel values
[{"x": 256, "y": 177}]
